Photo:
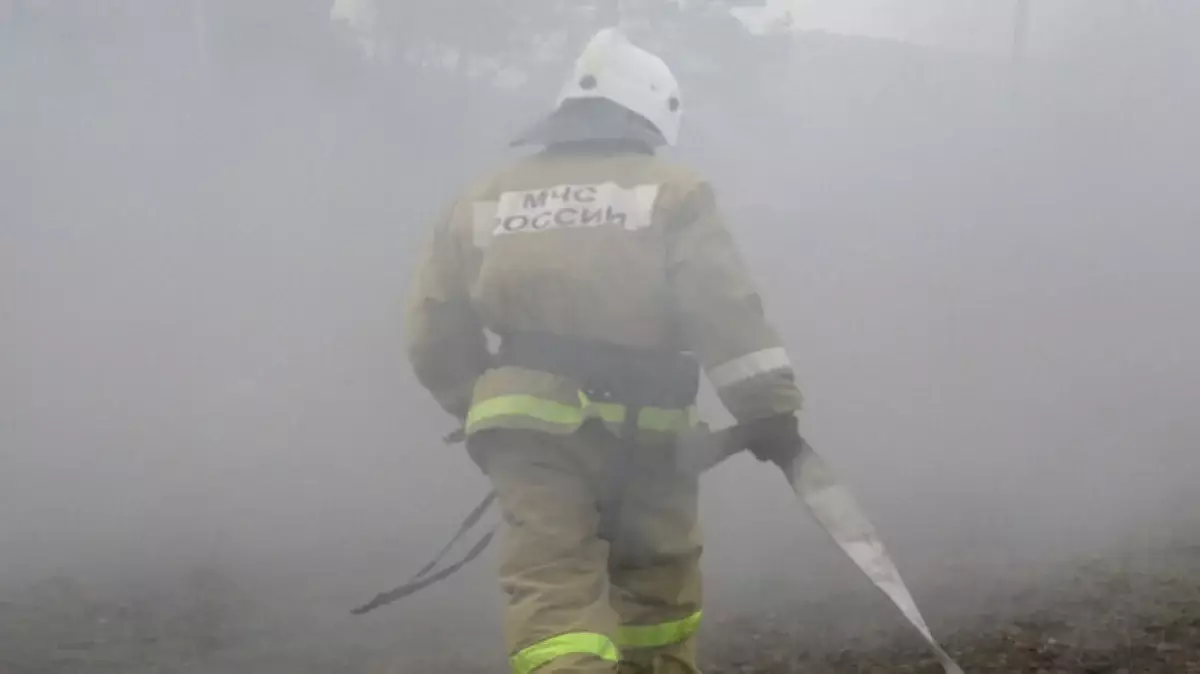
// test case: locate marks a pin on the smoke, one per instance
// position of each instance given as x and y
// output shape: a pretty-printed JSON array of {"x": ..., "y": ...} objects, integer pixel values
[{"x": 985, "y": 276}]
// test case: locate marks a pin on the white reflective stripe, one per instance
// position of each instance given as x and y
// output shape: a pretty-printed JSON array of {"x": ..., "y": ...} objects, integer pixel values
[
  {"x": 749, "y": 365},
  {"x": 835, "y": 508}
]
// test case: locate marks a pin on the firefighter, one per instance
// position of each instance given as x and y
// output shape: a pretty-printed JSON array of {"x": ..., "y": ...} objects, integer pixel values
[{"x": 610, "y": 280}]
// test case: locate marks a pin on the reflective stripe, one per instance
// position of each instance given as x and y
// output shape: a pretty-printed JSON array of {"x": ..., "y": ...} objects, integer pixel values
[
  {"x": 657, "y": 636},
  {"x": 610, "y": 413},
  {"x": 749, "y": 365},
  {"x": 667, "y": 421},
  {"x": 540, "y": 654},
  {"x": 570, "y": 416},
  {"x": 549, "y": 411}
]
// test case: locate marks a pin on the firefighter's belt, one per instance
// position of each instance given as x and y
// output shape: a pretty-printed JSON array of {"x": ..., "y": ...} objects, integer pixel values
[{"x": 605, "y": 371}]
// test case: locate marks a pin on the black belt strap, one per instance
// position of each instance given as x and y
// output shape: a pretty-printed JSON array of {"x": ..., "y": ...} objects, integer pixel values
[
  {"x": 606, "y": 371},
  {"x": 612, "y": 501}
]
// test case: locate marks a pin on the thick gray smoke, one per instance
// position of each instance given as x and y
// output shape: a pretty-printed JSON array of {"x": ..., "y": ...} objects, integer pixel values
[{"x": 985, "y": 274}]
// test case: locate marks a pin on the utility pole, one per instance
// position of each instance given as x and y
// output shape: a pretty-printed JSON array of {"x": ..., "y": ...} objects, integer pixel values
[{"x": 1020, "y": 30}]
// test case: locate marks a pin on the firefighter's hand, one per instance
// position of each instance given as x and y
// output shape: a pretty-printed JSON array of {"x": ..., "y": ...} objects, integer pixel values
[{"x": 775, "y": 439}]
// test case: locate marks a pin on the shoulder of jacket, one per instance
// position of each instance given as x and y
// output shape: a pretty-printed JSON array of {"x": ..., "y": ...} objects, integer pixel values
[
  {"x": 681, "y": 186},
  {"x": 676, "y": 173},
  {"x": 487, "y": 185},
  {"x": 484, "y": 185}
]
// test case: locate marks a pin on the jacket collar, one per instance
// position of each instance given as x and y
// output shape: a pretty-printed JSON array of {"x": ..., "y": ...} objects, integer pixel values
[{"x": 597, "y": 127}]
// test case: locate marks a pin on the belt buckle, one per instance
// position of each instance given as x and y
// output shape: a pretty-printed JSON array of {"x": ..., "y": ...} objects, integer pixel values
[{"x": 598, "y": 394}]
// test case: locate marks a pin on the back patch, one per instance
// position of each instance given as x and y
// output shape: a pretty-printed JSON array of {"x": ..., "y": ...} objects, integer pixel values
[{"x": 574, "y": 207}]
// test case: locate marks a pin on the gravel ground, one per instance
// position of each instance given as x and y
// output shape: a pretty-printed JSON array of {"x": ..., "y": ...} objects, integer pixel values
[
  {"x": 1100, "y": 617},
  {"x": 1095, "y": 618}
]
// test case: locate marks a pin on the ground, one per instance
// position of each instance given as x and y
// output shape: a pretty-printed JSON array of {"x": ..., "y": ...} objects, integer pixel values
[
  {"x": 1108, "y": 630},
  {"x": 1098, "y": 617}
]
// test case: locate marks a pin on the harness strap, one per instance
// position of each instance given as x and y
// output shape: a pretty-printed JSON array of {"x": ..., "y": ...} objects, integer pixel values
[
  {"x": 411, "y": 587},
  {"x": 613, "y": 498},
  {"x": 418, "y": 581}
]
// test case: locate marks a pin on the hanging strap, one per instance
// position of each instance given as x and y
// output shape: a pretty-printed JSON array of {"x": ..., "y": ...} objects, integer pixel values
[
  {"x": 421, "y": 580},
  {"x": 468, "y": 522},
  {"x": 613, "y": 499}
]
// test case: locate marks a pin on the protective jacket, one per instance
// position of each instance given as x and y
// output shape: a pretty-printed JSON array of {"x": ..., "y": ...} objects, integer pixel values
[{"x": 605, "y": 242}]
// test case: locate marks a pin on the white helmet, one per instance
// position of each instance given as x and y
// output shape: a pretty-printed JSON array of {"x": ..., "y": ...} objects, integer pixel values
[{"x": 611, "y": 67}]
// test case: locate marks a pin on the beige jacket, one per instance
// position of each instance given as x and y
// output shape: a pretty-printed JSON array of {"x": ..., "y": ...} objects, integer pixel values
[{"x": 624, "y": 247}]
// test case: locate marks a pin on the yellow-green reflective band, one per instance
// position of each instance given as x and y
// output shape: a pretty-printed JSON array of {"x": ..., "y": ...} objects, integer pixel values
[
  {"x": 554, "y": 412},
  {"x": 657, "y": 419},
  {"x": 612, "y": 413},
  {"x": 549, "y": 411},
  {"x": 662, "y": 634},
  {"x": 649, "y": 418},
  {"x": 578, "y": 643}
]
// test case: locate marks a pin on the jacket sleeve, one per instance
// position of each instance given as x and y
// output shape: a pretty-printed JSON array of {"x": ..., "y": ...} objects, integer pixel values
[
  {"x": 444, "y": 338},
  {"x": 721, "y": 315}
]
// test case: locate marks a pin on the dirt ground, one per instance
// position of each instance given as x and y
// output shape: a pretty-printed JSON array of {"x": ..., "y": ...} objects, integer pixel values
[
  {"x": 1095, "y": 621},
  {"x": 1099, "y": 617}
]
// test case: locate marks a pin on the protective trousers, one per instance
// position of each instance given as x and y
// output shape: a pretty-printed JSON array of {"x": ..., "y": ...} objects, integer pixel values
[{"x": 578, "y": 603}]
